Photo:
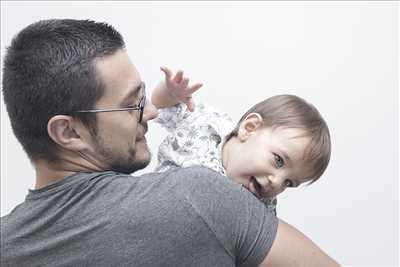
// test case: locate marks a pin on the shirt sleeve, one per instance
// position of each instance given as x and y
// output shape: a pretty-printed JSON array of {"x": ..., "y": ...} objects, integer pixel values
[
  {"x": 169, "y": 118},
  {"x": 193, "y": 137},
  {"x": 241, "y": 223}
]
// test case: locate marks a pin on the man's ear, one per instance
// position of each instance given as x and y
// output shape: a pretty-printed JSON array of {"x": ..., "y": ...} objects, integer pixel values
[
  {"x": 66, "y": 132},
  {"x": 249, "y": 125}
]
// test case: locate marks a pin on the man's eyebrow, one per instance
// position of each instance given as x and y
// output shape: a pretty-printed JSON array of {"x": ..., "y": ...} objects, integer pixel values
[{"x": 133, "y": 92}]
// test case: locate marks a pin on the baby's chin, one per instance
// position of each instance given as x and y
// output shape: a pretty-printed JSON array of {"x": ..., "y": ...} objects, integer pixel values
[
  {"x": 245, "y": 182},
  {"x": 258, "y": 190}
]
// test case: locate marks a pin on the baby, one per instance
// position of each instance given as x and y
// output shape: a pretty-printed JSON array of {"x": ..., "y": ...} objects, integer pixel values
[{"x": 279, "y": 143}]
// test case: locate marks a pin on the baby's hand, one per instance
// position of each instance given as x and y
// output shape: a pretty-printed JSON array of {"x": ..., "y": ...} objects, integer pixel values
[{"x": 178, "y": 87}]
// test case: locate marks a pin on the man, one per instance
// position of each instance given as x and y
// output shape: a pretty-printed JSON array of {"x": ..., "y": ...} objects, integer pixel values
[{"x": 77, "y": 105}]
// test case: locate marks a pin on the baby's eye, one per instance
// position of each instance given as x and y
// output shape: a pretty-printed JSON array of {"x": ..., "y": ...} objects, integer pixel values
[
  {"x": 278, "y": 161},
  {"x": 288, "y": 183}
]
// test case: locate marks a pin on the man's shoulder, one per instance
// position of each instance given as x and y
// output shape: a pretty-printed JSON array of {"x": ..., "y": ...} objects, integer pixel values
[
  {"x": 199, "y": 184},
  {"x": 199, "y": 176},
  {"x": 193, "y": 174},
  {"x": 196, "y": 171},
  {"x": 177, "y": 181}
]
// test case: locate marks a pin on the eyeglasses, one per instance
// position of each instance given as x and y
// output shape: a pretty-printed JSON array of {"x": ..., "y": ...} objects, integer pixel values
[{"x": 139, "y": 107}]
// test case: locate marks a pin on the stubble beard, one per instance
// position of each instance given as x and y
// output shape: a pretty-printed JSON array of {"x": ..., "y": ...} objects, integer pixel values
[{"x": 127, "y": 162}]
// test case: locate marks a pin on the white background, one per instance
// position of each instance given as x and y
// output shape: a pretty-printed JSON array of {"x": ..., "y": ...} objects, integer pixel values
[{"x": 340, "y": 56}]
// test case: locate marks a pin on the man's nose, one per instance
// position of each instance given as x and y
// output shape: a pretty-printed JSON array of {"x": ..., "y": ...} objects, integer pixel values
[{"x": 150, "y": 111}]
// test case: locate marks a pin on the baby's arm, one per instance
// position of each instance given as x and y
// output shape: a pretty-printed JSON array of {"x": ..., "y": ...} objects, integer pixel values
[{"x": 174, "y": 89}]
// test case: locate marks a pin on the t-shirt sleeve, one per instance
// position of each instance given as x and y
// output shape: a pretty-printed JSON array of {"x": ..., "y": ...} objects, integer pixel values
[{"x": 241, "y": 223}]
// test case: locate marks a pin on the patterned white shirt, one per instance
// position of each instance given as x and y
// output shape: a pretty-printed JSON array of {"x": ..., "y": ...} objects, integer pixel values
[{"x": 195, "y": 138}]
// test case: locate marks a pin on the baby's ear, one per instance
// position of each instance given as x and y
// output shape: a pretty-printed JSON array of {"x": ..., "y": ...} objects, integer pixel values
[{"x": 249, "y": 125}]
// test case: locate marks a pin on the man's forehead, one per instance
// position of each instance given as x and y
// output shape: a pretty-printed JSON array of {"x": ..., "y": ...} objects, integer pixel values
[
  {"x": 118, "y": 76},
  {"x": 116, "y": 68},
  {"x": 134, "y": 92}
]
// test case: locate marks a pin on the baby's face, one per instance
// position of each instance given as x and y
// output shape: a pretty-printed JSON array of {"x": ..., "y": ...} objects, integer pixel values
[{"x": 271, "y": 160}]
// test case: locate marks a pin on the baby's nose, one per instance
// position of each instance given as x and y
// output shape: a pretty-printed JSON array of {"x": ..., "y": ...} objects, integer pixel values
[{"x": 276, "y": 181}]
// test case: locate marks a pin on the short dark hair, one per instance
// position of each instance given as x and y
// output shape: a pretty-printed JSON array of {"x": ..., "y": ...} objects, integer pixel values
[
  {"x": 290, "y": 111},
  {"x": 49, "y": 69}
]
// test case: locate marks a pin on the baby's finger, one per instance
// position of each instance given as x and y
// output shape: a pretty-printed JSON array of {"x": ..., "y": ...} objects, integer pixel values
[
  {"x": 185, "y": 82},
  {"x": 178, "y": 76},
  {"x": 190, "y": 104},
  {"x": 168, "y": 72},
  {"x": 194, "y": 88}
]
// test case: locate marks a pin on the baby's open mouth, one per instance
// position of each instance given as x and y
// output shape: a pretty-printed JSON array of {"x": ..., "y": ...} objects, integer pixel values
[{"x": 257, "y": 186}]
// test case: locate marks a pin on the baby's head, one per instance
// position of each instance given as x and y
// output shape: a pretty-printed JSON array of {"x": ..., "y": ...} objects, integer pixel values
[{"x": 280, "y": 142}]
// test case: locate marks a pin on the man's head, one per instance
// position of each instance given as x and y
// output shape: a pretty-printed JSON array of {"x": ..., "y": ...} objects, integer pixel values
[
  {"x": 56, "y": 67},
  {"x": 283, "y": 142}
]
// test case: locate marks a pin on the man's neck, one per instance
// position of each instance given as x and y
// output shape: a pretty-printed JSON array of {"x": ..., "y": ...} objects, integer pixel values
[
  {"x": 46, "y": 176},
  {"x": 50, "y": 172}
]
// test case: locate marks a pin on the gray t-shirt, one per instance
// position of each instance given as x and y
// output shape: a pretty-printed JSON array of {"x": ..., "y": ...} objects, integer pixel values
[{"x": 183, "y": 217}]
